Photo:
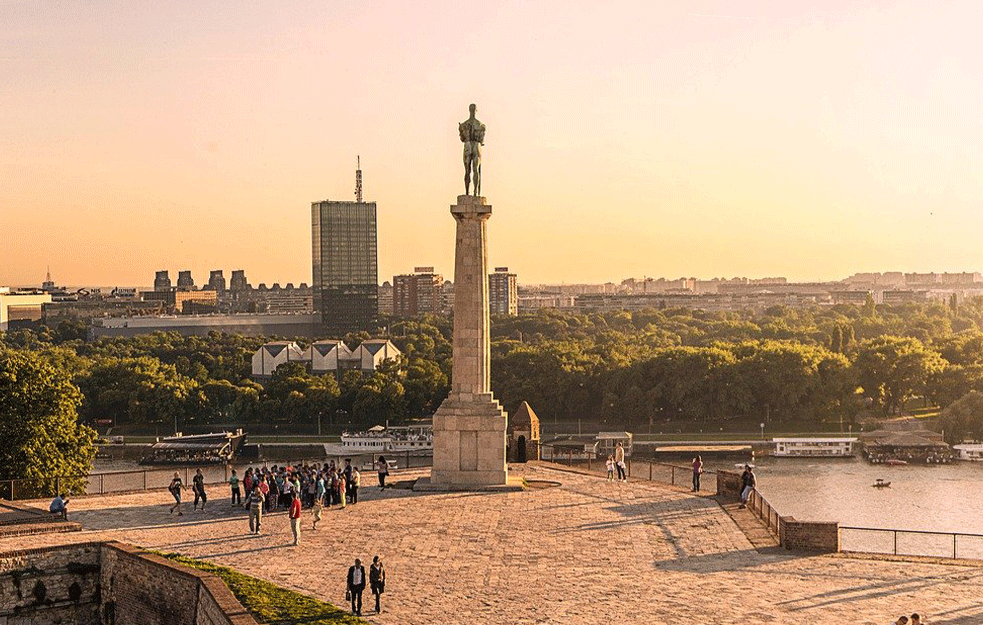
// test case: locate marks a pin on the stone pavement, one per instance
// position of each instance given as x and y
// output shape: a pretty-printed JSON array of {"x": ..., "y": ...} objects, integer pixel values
[{"x": 587, "y": 551}]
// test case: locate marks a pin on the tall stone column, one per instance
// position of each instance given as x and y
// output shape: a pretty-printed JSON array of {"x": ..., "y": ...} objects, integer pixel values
[{"x": 469, "y": 427}]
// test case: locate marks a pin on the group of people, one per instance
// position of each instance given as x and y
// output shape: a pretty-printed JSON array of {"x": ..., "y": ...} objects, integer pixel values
[
  {"x": 356, "y": 584},
  {"x": 915, "y": 620},
  {"x": 617, "y": 461}
]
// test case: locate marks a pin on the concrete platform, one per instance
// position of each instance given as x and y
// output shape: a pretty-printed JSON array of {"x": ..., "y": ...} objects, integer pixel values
[{"x": 424, "y": 485}]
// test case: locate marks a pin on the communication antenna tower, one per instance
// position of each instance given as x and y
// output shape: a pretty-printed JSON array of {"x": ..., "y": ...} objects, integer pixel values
[{"x": 358, "y": 180}]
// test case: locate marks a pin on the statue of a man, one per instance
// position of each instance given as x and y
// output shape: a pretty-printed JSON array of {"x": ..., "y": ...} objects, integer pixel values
[{"x": 473, "y": 136}]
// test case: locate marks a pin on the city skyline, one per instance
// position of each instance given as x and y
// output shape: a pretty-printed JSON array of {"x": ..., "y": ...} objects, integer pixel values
[{"x": 687, "y": 140}]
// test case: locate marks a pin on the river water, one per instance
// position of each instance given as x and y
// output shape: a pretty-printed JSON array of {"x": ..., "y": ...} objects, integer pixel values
[{"x": 940, "y": 498}]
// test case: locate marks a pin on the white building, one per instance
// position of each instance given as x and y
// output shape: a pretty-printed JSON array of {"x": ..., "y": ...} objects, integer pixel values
[
  {"x": 815, "y": 447},
  {"x": 323, "y": 356},
  {"x": 271, "y": 355},
  {"x": 373, "y": 352},
  {"x": 330, "y": 355},
  {"x": 970, "y": 451},
  {"x": 21, "y": 306}
]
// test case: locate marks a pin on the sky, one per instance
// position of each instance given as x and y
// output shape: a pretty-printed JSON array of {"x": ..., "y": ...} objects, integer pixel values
[{"x": 625, "y": 139}]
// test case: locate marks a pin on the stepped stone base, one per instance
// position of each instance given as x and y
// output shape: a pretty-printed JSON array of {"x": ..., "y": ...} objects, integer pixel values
[{"x": 469, "y": 443}]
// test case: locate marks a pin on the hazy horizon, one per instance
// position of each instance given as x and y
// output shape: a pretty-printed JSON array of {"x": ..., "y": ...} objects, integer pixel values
[{"x": 624, "y": 140}]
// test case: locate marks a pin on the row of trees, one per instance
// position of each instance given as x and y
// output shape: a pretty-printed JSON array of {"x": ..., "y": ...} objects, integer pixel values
[{"x": 789, "y": 365}]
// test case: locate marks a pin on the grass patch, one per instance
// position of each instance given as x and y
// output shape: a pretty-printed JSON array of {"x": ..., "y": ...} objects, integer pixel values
[{"x": 270, "y": 603}]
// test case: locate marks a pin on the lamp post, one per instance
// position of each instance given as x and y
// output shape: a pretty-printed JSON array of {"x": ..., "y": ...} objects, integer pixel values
[{"x": 762, "y": 431}]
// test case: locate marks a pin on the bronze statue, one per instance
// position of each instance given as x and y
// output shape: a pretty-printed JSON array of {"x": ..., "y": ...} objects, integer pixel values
[{"x": 473, "y": 136}]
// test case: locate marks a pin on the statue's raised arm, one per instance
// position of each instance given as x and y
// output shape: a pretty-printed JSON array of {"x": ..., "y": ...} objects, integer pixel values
[{"x": 472, "y": 134}]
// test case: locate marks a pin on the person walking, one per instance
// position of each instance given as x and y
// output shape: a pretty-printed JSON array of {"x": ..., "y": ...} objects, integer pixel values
[
  {"x": 697, "y": 471},
  {"x": 254, "y": 502},
  {"x": 610, "y": 467},
  {"x": 175, "y": 489},
  {"x": 356, "y": 584},
  {"x": 318, "y": 507},
  {"x": 234, "y": 484},
  {"x": 748, "y": 482},
  {"x": 383, "y": 472},
  {"x": 295, "y": 519},
  {"x": 356, "y": 482},
  {"x": 377, "y": 581},
  {"x": 619, "y": 461},
  {"x": 198, "y": 488}
]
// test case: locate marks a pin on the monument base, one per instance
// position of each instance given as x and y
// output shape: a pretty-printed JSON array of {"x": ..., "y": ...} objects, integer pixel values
[
  {"x": 512, "y": 484},
  {"x": 469, "y": 443}
]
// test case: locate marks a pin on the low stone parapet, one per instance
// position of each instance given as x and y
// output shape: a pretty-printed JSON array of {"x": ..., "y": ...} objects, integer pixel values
[
  {"x": 729, "y": 484},
  {"x": 817, "y": 536}
]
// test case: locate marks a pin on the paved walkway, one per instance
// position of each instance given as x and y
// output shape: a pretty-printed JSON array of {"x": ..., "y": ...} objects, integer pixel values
[{"x": 588, "y": 551}]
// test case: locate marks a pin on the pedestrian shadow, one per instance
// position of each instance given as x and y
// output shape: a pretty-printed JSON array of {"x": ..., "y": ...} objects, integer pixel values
[{"x": 723, "y": 562}]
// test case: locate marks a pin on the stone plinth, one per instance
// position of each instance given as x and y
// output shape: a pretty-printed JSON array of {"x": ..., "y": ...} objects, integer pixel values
[{"x": 469, "y": 427}]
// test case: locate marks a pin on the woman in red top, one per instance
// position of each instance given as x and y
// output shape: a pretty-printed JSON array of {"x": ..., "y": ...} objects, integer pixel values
[
  {"x": 295, "y": 519},
  {"x": 697, "y": 470}
]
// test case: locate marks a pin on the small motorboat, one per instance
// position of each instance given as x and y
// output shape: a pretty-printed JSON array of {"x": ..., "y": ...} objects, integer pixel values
[
  {"x": 881, "y": 484},
  {"x": 894, "y": 462}
]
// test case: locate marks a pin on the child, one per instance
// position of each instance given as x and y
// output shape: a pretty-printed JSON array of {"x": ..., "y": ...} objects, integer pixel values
[
  {"x": 317, "y": 511},
  {"x": 610, "y": 466}
]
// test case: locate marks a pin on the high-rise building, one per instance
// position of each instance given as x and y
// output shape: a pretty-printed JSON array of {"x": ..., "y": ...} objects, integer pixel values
[
  {"x": 239, "y": 282},
  {"x": 418, "y": 293},
  {"x": 345, "y": 266},
  {"x": 216, "y": 281},
  {"x": 503, "y": 294},
  {"x": 162, "y": 281},
  {"x": 185, "y": 281},
  {"x": 386, "y": 298}
]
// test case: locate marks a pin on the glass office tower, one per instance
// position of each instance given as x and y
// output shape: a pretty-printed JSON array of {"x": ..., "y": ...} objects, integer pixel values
[{"x": 345, "y": 263}]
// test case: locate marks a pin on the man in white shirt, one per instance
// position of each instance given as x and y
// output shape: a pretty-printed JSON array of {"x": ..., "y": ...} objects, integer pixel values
[{"x": 356, "y": 584}]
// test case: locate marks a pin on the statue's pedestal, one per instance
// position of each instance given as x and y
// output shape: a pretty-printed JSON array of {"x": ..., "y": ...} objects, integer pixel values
[{"x": 469, "y": 427}]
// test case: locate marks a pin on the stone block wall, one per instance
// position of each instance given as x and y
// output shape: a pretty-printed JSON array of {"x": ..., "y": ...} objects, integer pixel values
[
  {"x": 810, "y": 535},
  {"x": 110, "y": 584},
  {"x": 56, "y": 585},
  {"x": 729, "y": 484}
]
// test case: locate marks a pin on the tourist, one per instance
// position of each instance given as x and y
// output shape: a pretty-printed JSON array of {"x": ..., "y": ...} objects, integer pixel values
[
  {"x": 619, "y": 462},
  {"x": 247, "y": 480},
  {"x": 610, "y": 467},
  {"x": 697, "y": 471},
  {"x": 334, "y": 486},
  {"x": 748, "y": 482},
  {"x": 342, "y": 485},
  {"x": 59, "y": 505},
  {"x": 295, "y": 519},
  {"x": 348, "y": 479},
  {"x": 318, "y": 507},
  {"x": 198, "y": 488},
  {"x": 383, "y": 471},
  {"x": 175, "y": 488},
  {"x": 356, "y": 482},
  {"x": 264, "y": 489},
  {"x": 319, "y": 496},
  {"x": 356, "y": 584},
  {"x": 236, "y": 493},
  {"x": 377, "y": 581},
  {"x": 254, "y": 503},
  {"x": 915, "y": 619},
  {"x": 902, "y": 620}
]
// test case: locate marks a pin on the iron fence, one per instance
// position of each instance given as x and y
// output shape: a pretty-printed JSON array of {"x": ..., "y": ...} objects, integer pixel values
[
  {"x": 956, "y": 545},
  {"x": 158, "y": 478},
  {"x": 639, "y": 468},
  {"x": 766, "y": 512}
]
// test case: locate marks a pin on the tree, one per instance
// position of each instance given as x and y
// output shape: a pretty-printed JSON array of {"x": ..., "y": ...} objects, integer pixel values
[
  {"x": 963, "y": 419},
  {"x": 893, "y": 369},
  {"x": 41, "y": 435}
]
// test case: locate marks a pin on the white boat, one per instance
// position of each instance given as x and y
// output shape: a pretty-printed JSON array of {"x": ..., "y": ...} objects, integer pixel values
[
  {"x": 397, "y": 439},
  {"x": 815, "y": 447},
  {"x": 970, "y": 451}
]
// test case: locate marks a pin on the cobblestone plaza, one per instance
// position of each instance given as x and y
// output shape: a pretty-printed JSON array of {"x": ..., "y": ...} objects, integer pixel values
[{"x": 586, "y": 551}]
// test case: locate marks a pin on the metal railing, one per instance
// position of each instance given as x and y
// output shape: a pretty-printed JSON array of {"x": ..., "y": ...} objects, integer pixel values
[
  {"x": 956, "y": 545},
  {"x": 639, "y": 468},
  {"x": 158, "y": 478},
  {"x": 766, "y": 512}
]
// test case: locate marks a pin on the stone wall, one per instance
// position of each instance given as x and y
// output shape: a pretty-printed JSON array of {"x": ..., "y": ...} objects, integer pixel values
[
  {"x": 110, "y": 584},
  {"x": 809, "y": 535},
  {"x": 56, "y": 585},
  {"x": 729, "y": 484}
]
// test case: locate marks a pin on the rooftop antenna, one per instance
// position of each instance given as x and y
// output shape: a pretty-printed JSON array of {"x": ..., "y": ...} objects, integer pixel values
[{"x": 358, "y": 180}]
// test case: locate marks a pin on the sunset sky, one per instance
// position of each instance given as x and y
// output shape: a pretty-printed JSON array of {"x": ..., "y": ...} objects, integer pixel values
[{"x": 624, "y": 138}]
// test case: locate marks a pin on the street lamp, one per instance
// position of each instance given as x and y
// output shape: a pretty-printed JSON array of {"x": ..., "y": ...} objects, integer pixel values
[{"x": 762, "y": 431}]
